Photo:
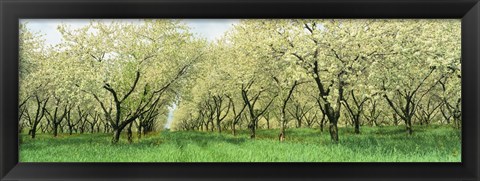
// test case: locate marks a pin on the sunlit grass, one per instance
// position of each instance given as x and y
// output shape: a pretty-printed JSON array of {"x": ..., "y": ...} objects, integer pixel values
[{"x": 385, "y": 144}]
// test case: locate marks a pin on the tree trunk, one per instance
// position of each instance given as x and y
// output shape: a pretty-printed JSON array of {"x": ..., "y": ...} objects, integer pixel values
[
  {"x": 219, "y": 127},
  {"x": 92, "y": 128},
  {"x": 281, "y": 137},
  {"x": 252, "y": 130},
  {"x": 252, "y": 134},
  {"x": 334, "y": 132},
  {"x": 116, "y": 135},
  {"x": 322, "y": 123},
  {"x": 395, "y": 119},
  {"x": 357, "y": 125},
  {"x": 55, "y": 129},
  {"x": 129, "y": 133},
  {"x": 409, "y": 125},
  {"x": 282, "y": 122},
  {"x": 33, "y": 131},
  {"x": 139, "y": 131},
  {"x": 333, "y": 115},
  {"x": 233, "y": 129},
  {"x": 69, "y": 123}
]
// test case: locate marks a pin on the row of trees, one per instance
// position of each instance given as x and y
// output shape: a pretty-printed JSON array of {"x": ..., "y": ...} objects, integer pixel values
[
  {"x": 105, "y": 77},
  {"x": 111, "y": 76},
  {"x": 314, "y": 72}
]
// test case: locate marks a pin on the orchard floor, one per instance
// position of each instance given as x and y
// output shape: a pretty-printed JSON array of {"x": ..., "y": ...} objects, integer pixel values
[{"x": 377, "y": 144}]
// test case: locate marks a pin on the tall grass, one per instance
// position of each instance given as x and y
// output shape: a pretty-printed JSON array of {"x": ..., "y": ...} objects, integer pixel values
[{"x": 385, "y": 144}]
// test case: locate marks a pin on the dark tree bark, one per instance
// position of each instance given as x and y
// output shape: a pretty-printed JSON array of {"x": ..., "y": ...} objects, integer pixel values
[
  {"x": 426, "y": 112},
  {"x": 283, "y": 119},
  {"x": 236, "y": 115},
  {"x": 406, "y": 108},
  {"x": 266, "y": 116},
  {"x": 218, "y": 102},
  {"x": 116, "y": 135},
  {"x": 147, "y": 121},
  {"x": 22, "y": 109},
  {"x": 355, "y": 112},
  {"x": 117, "y": 122},
  {"x": 93, "y": 122},
  {"x": 250, "y": 102},
  {"x": 374, "y": 114},
  {"x": 406, "y": 113},
  {"x": 73, "y": 125},
  {"x": 209, "y": 107},
  {"x": 451, "y": 110},
  {"x": 322, "y": 121},
  {"x": 139, "y": 128},
  {"x": 129, "y": 133},
  {"x": 38, "y": 115},
  {"x": 310, "y": 119},
  {"x": 299, "y": 112},
  {"x": 395, "y": 119},
  {"x": 332, "y": 113},
  {"x": 56, "y": 119},
  {"x": 70, "y": 123}
]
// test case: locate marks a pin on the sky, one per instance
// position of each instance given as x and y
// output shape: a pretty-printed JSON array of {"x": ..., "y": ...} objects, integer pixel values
[{"x": 211, "y": 29}]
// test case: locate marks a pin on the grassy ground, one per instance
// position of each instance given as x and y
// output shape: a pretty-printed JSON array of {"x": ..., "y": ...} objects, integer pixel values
[{"x": 386, "y": 144}]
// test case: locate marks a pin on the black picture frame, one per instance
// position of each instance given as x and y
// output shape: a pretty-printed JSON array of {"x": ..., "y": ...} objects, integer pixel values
[{"x": 13, "y": 10}]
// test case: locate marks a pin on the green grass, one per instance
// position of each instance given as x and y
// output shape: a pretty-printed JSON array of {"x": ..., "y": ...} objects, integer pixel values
[{"x": 385, "y": 144}]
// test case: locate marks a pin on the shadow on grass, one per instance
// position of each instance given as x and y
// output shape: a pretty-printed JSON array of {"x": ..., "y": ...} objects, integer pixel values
[{"x": 201, "y": 139}]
